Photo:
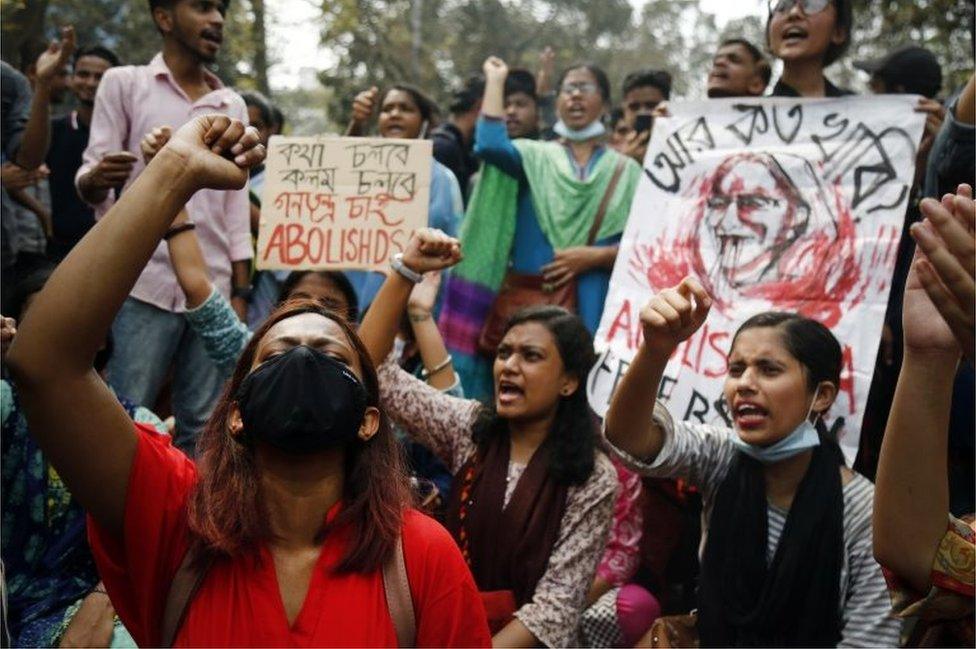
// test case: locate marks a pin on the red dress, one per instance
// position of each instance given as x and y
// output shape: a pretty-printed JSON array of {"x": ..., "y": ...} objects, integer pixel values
[{"x": 239, "y": 602}]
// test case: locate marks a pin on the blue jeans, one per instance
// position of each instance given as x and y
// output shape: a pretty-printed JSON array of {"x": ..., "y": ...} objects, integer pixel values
[{"x": 147, "y": 340}]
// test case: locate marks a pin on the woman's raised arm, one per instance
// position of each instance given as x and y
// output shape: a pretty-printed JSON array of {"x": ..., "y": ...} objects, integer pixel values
[
  {"x": 669, "y": 318},
  {"x": 75, "y": 418},
  {"x": 428, "y": 250}
]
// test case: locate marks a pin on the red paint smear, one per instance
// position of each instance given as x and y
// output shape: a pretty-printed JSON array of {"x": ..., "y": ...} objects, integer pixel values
[{"x": 832, "y": 280}]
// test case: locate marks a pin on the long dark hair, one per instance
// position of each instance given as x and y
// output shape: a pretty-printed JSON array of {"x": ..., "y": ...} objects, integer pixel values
[
  {"x": 573, "y": 439},
  {"x": 227, "y": 515},
  {"x": 794, "y": 599}
]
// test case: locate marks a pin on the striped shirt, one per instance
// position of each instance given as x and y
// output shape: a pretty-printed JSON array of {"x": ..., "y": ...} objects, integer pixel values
[{"x": 702, "y": 454}]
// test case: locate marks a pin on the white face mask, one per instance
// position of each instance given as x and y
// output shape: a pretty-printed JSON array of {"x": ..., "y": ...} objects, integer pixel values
[
  {"x": 588, "y": 132},
  {"x": 803, "y": 437}
]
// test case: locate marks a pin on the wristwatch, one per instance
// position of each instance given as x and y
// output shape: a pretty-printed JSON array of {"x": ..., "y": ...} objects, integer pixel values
[{"x": 397, "y": 264}]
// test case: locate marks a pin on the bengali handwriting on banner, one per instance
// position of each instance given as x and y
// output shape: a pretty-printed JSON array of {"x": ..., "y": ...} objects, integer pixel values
[
  {"x": 773, "y": 204},
  {"x": 341, "y": 202}
]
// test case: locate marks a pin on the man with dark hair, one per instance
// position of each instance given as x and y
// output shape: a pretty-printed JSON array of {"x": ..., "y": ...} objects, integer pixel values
[
  {"x": 521, "y": 105},
  {"x": 453, "y": 140},
  {"x": 739, "y": 69},
  {"x": 643, "y": 90},
  {"x": 136, "y": 109},
  {"x": 71, "y": 217}
]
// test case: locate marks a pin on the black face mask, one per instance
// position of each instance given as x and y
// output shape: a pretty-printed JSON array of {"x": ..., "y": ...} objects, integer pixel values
[{"x": 302, "y": 401}]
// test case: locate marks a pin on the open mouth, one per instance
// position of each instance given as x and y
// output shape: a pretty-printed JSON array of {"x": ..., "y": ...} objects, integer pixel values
[
  {"x": 749, "y": 415},
  {"x": 509, "y": 392},
  {"x": 212, "y": 36},
  {"x": 794, "y": 35},
  {"x": 576, "y": 110}
]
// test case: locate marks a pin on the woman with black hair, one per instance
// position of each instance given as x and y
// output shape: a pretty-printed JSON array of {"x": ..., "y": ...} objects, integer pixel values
[
  {"x": 405, "y": 112},
  {"x": 786, "y": 557},
  {"x": 543, "y": 224},
  {"x": 533, "y": 496},
  {"x": 808, "y": 36}
]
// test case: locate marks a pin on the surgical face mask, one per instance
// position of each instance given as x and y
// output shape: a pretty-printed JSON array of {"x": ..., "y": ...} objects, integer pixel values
[
  {"x": 302, "y": 401},
  {"x": 588, "y": 132},
  {"x": 803, "y": 437}
]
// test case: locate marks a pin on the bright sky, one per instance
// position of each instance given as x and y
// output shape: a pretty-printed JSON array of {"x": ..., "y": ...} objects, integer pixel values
[{"x": 294, "y": 34}]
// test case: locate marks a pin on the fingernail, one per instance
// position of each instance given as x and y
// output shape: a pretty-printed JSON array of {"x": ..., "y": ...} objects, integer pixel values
[
  {"x": 237, "y": 148},
  {"x": 921, "y": 232},
  {"x": 241, "y": 159}
]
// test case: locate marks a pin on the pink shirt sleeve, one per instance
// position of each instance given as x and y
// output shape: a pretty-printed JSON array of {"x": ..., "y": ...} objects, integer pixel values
[
  {"x": 109, "y": 128},
  {"x": 237, "y": 207},
  {"x": 621, "y": 557}
]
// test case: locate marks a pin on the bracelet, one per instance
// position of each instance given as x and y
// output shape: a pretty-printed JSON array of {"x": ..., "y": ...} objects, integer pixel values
[
  {"x": 407, "y": 273},
  {"x": 418, "y": 317},
  {"x": 176, "y": 229},
  {"x": 426, "y": 374}
]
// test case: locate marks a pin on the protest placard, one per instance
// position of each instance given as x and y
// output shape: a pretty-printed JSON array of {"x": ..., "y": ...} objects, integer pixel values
[
  {"x": 341, "y": 202},
  {"x": 773, "y": 204}
]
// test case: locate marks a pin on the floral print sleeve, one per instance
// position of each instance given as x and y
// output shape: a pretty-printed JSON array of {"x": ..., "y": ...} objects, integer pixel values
[
  {"x": 622, "y": 556},
  {"x": 223, "y": 334},
  {"x": 553, "y": 615},
  {"x": 437, "y": 420},
  {"x": 953, "y": 574}
]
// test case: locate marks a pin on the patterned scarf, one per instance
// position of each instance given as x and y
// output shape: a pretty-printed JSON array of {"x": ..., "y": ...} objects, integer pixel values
[{"x": 565, "y": 207}]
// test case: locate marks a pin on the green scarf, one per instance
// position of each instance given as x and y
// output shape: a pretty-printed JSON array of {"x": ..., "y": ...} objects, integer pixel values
[{"x": 565, "y": 207}]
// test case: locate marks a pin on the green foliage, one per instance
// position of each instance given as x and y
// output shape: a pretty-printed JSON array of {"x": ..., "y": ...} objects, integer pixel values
[{"x": 126, "y": 27}]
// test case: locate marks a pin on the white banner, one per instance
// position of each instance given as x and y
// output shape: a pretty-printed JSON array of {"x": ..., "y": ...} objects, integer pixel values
[{"x": 773, "y": 204}]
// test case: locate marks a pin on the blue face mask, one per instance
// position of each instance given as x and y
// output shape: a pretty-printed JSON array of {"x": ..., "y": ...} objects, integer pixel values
[
  {"x": 588, "y": 132},
  {"x": 803, "y": 437}
]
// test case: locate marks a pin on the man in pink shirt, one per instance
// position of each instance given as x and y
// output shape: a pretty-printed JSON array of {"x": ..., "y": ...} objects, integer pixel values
[{"x": 150, "y": 331}]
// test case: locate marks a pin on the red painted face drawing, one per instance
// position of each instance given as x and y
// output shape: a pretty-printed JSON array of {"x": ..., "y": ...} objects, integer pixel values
[
  {"x": 753, "y": 213},
  {"x": 764, "y": 227}
]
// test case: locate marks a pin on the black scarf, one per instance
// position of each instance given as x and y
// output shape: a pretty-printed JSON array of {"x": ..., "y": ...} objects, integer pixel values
[{"x": 795, "y": 600}]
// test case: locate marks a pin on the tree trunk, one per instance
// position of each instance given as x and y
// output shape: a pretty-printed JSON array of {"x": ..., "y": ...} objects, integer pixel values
[{"x": 260, "y": 47}]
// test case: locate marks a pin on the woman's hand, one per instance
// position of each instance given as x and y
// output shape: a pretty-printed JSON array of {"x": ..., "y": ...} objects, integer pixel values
[
  {"x": 673, "y": 315},
  {"x": 430, "y": 249},
  {"x": 153, "y": 141},
  {"x": 217, "y": 151},
  {"x": 424, "y": 295},
  {"x": 940, "y": 294},
  {"x": 570, "y": 263}
]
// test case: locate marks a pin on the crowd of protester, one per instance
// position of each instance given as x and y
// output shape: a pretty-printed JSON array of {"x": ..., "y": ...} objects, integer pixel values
[{"x": 198, "y": 453}]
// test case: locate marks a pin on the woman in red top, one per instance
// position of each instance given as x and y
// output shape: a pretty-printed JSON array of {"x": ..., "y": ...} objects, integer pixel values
[{"x": 299, "y": 497}]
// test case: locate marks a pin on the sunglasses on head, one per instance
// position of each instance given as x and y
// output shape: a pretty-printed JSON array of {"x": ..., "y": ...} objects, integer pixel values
[{"x": 809, "y": 6}]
